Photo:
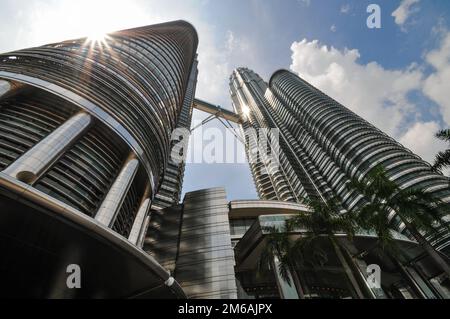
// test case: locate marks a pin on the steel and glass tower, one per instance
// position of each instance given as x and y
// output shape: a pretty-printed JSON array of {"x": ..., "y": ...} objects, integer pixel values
[
  {"x": 323, "y": 145},
  {"x": 247, "y": 92},
  {"x": 85, "y": 138},
  {"x": 169, "y": 193}
]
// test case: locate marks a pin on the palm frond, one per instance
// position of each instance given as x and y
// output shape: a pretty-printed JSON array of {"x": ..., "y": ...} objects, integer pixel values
[
  {"x": 444, "y": 135},
  {"x": 420, "y": 208},
  {"x": 442, "y": 160}
]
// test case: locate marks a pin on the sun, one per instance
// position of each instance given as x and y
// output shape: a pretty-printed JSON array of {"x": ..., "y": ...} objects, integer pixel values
[
  {"x": 97, "y": 28},
  {"x": 97, "y": 35},
  {"x": 246, "y": 110}
]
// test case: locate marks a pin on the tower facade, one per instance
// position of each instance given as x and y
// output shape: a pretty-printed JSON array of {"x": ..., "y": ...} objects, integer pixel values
[
  {"x": 85, "y": 132},
  {"x": 247, "y": 93},
  {"x": 323, "y": 145},
  {"x": 169, "y": 193}
]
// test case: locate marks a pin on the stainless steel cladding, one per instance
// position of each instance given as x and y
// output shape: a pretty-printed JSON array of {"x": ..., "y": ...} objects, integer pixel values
[
  {"x": 205, "y": 264},
  {"x": 85, "y": 138},
  {"x": 324, "y": 145},
  {"x": 86, "y": 102}
]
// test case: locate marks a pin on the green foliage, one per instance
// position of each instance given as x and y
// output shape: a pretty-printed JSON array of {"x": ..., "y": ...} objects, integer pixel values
[
  {"x": 419, "y": 210},
  {"x": 444, "y": 135},
  {"x": 442, "y": 158},
  {"x": 324, "y": 220},
  {"x": 299, "y": 242}
]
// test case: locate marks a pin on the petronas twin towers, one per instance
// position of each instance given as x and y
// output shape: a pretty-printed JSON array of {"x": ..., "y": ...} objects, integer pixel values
[{"x": 85, "y": 142}]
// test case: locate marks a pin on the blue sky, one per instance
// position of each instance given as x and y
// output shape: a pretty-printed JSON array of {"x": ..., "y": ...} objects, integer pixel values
[{"x": 397, "y": 77}]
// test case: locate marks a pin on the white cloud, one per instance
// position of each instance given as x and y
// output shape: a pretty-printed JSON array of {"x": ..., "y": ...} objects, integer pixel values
[
  {"x": 305, "y": 2},
  {"x": 404, "y": 11},
  {"x": 420, "y": 138},
  {"x": 230, "y": 41},
  {"x": 377, "y": 94},
  {"x": 333, "y": 28},
  {"x": 437, "y": 85},
  {"x": 440, "y": 28},
  {"x": 216, "y": 57},
  {"x": 236, "y": 45},
  {"x": 345, "y": 8},
  {"x": 214, "y": 68}
]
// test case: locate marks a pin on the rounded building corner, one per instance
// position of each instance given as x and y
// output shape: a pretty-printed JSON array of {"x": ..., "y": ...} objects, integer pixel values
[
  {"x": 276, "y": 73},
  {"x": 191, "y": 26}
]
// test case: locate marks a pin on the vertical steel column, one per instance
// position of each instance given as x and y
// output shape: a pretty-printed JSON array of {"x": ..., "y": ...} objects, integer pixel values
[
  {"x": 34, "y": 163},
  {"x": 145, "y": 226},
  {"x": 112, "y": 204},
  {"x": 5, "y": 87},
  {"x": 138, "y": 225}
]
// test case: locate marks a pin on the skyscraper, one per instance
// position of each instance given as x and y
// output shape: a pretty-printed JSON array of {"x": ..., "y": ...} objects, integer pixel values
[
  {"x": 323, "y": 145},
  {"x": 85, "y": 140}
]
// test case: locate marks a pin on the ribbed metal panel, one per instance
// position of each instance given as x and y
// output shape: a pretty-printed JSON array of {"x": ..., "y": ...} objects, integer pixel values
[
  {"x": 342, "y": 145},
  {"x": 170, "y": 190},
  {"x": 135, "y": 87},
  {"x": 25, "y": 120},
  {"x": 127, "y": 214},
  {"x": 83, "y": 176},
  {"x": 85, "y": 130},
  {"x": 248, "y": 91},
  {"x": 145, "y": 69}
]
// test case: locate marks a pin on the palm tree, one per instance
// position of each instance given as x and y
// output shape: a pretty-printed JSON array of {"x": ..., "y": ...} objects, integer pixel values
[
  {"x": 420, "y": 211},
  {"x": 279, "y": 246},
  {"x": 443, "y": 158},
  {"x": 324, "y": 220}
]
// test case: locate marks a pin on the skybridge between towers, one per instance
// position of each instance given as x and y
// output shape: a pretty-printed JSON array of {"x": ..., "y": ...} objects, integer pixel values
[{"x": 217, "y": 112}]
